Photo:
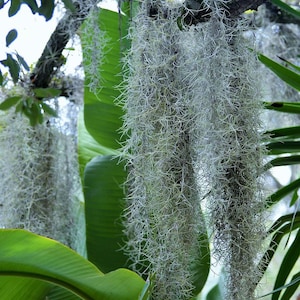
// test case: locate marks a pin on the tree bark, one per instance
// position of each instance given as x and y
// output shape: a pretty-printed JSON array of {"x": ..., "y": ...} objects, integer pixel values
[
  {"x": 196, "y": 13},
  {"x": 51, "y": 58}
]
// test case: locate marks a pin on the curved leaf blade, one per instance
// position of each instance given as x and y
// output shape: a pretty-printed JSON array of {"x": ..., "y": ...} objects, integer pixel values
[
  {"x": 14, "y": 7},
  {"x": 32, "y": 5},
  {"x": 287, "y": 265},
  {"x": 289, "y": 287},
  {"x": 46, "y": 92},
  {"x": 284, "y": 191},
  {"x": 103, "y": 180},
  {"x": 22, "y": 62},
  {"x": 287, "y": 8},
  {"x": 287, "y": 132},
  {"x": 283, "y": 161},
  {"x": 13, "y": 67},
  {"x": 70, "y": 5},
  {"x": 201, "y": 264},
  {"x": 287, "y": 107},
  {"x": 25, "y": 254},
  {"x": 103, "y": 122},
  {"x": 281, "y": 227},
  {"x": 58, "y": 293},
  {"x": 9, "y": 102},
  {"x": 103, "y": 118},
  {"x": 282, "y": 147},
  {"x": 292, "y": 287},
  {"x": 17, "y": 288},
  {"x": 215, "y": 293},
  {"x": 290, "y": 77},
  {"x": 88, "y": 147},
  {"x": 46, "y": 9}
]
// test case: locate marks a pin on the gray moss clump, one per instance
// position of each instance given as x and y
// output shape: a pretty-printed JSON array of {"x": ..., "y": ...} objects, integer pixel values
[
  {"x": 230, "y": 154},
  {"x": 39, "y": 180},
  {"x": 192, "y": 117},
  {"x": 163, "y": 219}
]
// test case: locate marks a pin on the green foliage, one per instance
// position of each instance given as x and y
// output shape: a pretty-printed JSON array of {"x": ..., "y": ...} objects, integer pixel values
[
  {"x": 287, "y": 264},
  {"x": 22, "y": 62},
  {"x": 284, "y": 141},
  {"x": 11, "y": 36},
  {"x": 46, "y": 92},
  {"x": 103, "y": 193},
  {"x": 88, "y": 147},
  {"x": 148, "y": 287},
  {"x": 286, "y": 74},
  {"x": 215, "y": 293},
  {"x": 100, "y": 111},
  {"x": 29, "y": 105},
  {"x": 9, "y": 102},
  {"x": 32, "y": 5},
  {"x": 103, "y": 179},
  {"x": 287, "y": 8},
  {"x": 100, "y": 136},
  {"x": 33, "y": 106},
  {"x": 34, "y": 258},
  {"x": 69, "y": 4},
  {"x": 14, "y": 7},
  {"x": 281, "y": 228},
  {"x": 288, "y": 107},
  {"x": 46, "y": 9},
  {"x": 13, "y": 67}
]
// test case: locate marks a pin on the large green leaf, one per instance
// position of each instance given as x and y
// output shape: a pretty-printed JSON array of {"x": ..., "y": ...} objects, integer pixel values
[
  {"x": 215, "y": 293},
  {"x": 58, "y": 293},
  {"x": 46, "y": 9},
  {"x": 103, "y": 177},
  {"x": 88, "y": 147},
  {"x": 27, "y": 255},
  {"x": 103, "y": 192},
  {"x": 102, "y": 116},
  {"x": 18, "y": 288},
  {"x": 103, "y": 122}
]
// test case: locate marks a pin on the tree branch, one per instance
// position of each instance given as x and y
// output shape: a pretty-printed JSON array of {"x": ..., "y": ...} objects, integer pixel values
[
  {"x": 51, "y": 58},
  {"x": 237, "y": 7},
  {"x": 233, "y": 10}
]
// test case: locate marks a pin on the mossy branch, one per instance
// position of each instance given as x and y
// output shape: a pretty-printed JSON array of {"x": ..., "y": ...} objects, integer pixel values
[
  {"x": 198, "y": 12},
  {"x": 50, "y": 59}
]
